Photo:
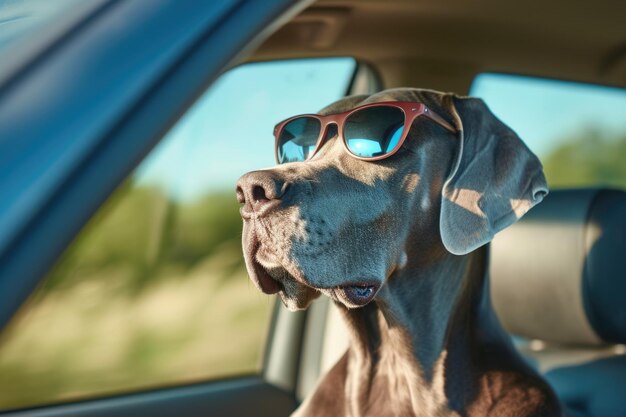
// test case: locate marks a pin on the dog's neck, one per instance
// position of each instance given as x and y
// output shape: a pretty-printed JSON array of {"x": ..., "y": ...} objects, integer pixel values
[{"x": 428, "y": 342}]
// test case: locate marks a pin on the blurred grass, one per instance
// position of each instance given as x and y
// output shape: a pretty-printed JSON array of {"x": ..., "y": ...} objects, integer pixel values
[{"x": 153, "y": 292}]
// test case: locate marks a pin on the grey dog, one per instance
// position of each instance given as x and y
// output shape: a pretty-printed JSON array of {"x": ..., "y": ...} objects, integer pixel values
[{"x": 411, "y": 230}]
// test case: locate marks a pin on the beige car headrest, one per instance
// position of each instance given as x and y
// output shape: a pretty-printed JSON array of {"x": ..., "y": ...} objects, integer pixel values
[{"x": 559, "y": 274}]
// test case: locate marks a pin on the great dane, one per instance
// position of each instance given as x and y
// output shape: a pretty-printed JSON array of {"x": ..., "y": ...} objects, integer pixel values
[{"x": 399, "y": 244}]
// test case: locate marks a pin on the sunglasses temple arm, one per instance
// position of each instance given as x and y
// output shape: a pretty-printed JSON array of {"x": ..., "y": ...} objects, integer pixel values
[{"x": 440, "y": 120}]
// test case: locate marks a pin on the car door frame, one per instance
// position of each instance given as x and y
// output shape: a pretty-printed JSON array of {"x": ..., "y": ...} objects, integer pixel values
[
  {"x": 67, "y": 150},
  {"x": 70, "y": 132}
]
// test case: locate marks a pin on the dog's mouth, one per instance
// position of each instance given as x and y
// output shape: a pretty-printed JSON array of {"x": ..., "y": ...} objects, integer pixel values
[
  {"x": 267, "y": 279},
  {"x": 272, "y": 278}
]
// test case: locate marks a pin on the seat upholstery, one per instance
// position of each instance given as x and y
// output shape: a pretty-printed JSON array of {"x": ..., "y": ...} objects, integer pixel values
[
  {"x": 595, "y": 388},
  {"x": 559, "y": 274}
]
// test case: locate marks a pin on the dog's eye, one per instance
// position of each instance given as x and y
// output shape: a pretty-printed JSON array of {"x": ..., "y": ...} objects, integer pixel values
[{"x": 364, "y": 291}]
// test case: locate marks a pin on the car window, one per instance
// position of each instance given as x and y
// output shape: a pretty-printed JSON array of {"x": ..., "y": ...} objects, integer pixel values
[
  {"x": 154, "y": 292},
  {"x": 577, "y": 130}
]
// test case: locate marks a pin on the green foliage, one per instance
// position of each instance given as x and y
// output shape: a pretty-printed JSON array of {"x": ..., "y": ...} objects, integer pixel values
[
  {"x": 147, "y": 235},
  {"x": 217, "y": 213},
  {"x": 590, "y": 159}
]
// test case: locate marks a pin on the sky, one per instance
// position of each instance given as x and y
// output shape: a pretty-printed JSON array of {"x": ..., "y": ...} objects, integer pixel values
[
  {"x": 544, "y": 112},
  {"x": 229, "y": 130}
]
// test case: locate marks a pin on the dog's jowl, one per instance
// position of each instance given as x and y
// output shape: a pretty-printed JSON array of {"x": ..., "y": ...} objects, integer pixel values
[{"x": 385, "y": 204}]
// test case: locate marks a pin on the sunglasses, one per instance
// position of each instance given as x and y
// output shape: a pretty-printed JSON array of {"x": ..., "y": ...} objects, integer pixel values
[{"x": 369, "y": 132}]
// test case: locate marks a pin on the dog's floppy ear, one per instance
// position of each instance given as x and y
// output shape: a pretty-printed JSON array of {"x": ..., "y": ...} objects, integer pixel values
[{"x": 495, "y": 179}]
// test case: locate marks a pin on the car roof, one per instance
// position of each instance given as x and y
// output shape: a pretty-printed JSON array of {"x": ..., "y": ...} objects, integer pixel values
[{"x": 444, "y": 44}]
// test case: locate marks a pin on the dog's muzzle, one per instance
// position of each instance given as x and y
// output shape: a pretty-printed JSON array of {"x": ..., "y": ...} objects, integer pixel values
[{"x": 262, "y": 195}]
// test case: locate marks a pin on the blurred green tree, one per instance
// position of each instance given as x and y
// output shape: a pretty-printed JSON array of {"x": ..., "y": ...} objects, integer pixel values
[
  {"x": 141, "y": 235},
  {"x": 589, "y": 159}
]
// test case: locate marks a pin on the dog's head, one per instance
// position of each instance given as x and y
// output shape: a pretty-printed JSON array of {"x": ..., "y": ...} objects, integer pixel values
[{"x": 341, "y": 226}]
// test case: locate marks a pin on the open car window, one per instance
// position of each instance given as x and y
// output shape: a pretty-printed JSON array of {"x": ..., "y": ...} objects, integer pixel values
[
  {"x": 577, "y": 130},
  {"x": 153, "y": 292}
]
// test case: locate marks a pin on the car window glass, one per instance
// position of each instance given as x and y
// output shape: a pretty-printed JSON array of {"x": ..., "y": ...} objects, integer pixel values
[
  {"x": 153, "y": 292},
  {"x": 577, "y": 130}
]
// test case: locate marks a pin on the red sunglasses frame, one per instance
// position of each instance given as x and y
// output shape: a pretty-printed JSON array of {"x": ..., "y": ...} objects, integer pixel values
[{"x": 411, "y": 110}]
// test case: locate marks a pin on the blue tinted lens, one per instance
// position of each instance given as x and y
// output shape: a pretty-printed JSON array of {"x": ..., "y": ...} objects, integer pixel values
[
  {"x": 374, "y": 131},
  {"x": 297, "y": 139}
]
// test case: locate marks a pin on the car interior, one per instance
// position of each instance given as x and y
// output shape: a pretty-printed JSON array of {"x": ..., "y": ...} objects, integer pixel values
[{"x": 558, "y": 279}]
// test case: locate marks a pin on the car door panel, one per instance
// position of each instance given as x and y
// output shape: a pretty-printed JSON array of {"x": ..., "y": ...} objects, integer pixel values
[{"x": 239, "y": 397}]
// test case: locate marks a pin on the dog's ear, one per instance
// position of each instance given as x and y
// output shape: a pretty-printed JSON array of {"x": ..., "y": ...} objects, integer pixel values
[{"x": 494, "y": 180}]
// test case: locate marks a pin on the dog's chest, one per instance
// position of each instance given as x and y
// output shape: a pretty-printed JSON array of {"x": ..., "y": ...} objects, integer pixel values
[
  {"x": 390, "y": 387},
  {"x": 399, "y": 388}
]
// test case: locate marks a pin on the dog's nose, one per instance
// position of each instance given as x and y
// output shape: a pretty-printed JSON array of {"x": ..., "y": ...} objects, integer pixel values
[{"x": 259, "y": 191}]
